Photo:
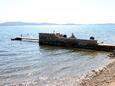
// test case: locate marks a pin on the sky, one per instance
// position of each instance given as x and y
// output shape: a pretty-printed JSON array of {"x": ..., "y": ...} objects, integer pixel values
[{"x": 58, "y": 11}]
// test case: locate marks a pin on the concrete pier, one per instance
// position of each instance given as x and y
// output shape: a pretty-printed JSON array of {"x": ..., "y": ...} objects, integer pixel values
[
  {"x": 23, "y": 38},
  {"x": 61, "y": 40}
]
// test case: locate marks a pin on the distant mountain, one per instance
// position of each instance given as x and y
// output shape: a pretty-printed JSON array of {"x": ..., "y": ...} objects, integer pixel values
[
  {"x": 31, "y": 23},
  {"x": 24, "y": 23},
  {"x": 70, "y": 24}
]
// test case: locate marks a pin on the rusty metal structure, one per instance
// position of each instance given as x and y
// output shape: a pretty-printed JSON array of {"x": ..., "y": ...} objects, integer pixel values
[{"x": 57, "y": 39}]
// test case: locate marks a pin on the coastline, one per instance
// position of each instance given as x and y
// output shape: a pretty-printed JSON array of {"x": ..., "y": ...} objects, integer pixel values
[{"x": 103, "y": 77}]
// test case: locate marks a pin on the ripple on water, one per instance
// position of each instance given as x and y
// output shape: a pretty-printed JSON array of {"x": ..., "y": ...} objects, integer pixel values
[
  {"x": 2, "y": 51},
  {"x": 45, "y": 81},
  {"x": 28, "y": 64}
]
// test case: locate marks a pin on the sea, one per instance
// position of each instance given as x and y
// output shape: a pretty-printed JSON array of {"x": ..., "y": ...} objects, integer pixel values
[{"x": 26, "y": 63}]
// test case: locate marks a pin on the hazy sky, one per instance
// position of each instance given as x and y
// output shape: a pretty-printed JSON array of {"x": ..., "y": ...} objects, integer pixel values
[{"x": 58, "y": 11}]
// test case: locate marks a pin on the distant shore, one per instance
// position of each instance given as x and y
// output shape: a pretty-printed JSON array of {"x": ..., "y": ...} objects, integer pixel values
[
  {"x": 103, "y": 77},
  {"x": 45, "y": 23}
]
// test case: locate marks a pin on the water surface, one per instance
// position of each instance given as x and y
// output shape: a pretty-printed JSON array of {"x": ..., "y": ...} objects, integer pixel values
[{"x": 28, "y": 64}]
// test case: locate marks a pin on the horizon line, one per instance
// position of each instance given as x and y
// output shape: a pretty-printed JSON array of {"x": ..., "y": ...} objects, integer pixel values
[{"x": 68, "y": 23}]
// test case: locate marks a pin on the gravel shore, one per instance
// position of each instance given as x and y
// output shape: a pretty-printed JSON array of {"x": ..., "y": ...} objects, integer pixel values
[{"x": 103, "y": 77}]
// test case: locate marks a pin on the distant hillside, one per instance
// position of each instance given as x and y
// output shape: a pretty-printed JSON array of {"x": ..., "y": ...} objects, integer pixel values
[
  {"x": 31, "y": 23},
  {"x": 23, "y": 23}
]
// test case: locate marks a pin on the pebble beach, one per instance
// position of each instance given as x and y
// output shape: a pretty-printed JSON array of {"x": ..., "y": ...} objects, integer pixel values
[{"x": 103, "y": 77}]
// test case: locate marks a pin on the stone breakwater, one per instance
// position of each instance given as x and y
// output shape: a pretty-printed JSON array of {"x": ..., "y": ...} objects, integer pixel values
[{"x": 102, "y": 77}]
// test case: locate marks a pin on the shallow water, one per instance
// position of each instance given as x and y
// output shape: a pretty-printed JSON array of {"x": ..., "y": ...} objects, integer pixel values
[{"x": 28, "y": 64}]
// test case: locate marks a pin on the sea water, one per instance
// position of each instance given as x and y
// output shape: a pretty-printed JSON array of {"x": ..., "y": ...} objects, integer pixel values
[{"x": 25, "y": 63}]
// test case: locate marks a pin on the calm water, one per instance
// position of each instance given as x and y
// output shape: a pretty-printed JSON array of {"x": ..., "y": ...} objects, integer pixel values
[{"x": 28, "y": 64}]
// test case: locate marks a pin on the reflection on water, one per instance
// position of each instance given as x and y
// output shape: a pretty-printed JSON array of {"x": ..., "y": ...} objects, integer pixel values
[
  {"x": 48, "y": 65},
  {"x": 28, "y": 64}
]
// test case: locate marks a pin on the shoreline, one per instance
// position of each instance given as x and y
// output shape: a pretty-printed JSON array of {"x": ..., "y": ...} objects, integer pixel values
[{"x": 102, "y": 77}]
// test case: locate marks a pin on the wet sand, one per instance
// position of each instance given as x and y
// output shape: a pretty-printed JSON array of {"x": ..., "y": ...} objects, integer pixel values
[
  {"x": 103, "y": 77},
  {"x": 112, "y": 84}
]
